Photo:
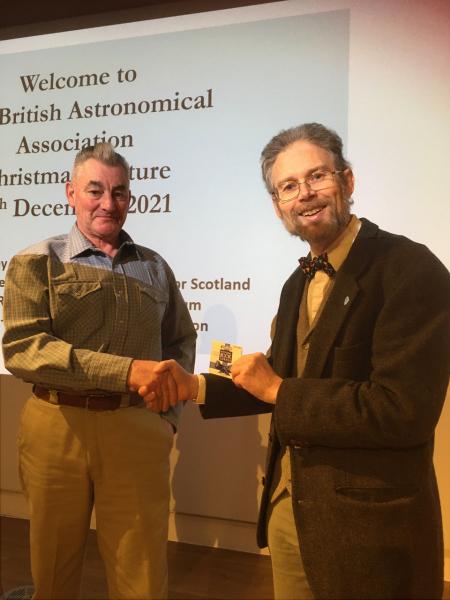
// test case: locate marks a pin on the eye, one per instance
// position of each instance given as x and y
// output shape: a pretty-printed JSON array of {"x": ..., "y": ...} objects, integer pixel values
[
  {"x": 94, "y": 192},
  {"x": 288, "y": 186},
  {"x": 120, "y": 196},
  {"x": 317, "y": 176}
]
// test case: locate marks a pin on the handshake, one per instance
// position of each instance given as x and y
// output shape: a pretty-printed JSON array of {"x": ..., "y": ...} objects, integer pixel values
[{"x": 164, "y": 384}]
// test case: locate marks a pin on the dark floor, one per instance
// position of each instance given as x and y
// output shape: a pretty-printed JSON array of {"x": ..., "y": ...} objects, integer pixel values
[{"x": 195, "y": 572}]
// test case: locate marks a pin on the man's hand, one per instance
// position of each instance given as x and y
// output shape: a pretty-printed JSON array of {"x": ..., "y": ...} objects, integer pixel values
[
  {"x": 253, "y": 373},
  {"x": 171, "y": 384},
  {"x": 158, "y": 390}
]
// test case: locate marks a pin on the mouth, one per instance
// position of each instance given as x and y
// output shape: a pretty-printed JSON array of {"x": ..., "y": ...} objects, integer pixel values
[
  {"x": 311, "y": 212},
  {"x": 106, "y": 217}
]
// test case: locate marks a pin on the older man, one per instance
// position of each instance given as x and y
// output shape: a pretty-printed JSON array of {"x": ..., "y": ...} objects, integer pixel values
[
  {"x": 356, "y": 379},
  {"x": 86, "y": 316}
]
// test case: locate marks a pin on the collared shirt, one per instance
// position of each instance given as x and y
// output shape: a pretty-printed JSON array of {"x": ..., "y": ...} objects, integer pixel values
[
  {"x": 337, "y": 253},
  {"x": 75, "y": 318}
]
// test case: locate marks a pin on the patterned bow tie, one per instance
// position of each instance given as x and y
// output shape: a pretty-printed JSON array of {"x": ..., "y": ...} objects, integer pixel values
[{"x": 318, "y": 263}]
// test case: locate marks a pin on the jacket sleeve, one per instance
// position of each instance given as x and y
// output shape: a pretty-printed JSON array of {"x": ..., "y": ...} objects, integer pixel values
[{"x": 224, "y": 399}]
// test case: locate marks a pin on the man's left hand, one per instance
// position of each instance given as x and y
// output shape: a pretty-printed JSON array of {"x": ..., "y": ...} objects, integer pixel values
[{"x": 253, "y": 373}]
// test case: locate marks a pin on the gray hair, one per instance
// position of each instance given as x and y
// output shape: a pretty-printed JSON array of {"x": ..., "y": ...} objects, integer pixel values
[
  {"x": 315, "y": 133},
  {"x": 103, "y": 152}
]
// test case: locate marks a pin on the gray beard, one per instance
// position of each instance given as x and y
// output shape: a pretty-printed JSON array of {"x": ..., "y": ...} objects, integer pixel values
[{"x": 323, "y": 237}]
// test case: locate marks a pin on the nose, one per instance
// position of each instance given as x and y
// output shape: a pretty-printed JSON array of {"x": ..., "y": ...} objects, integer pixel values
[
  {"x": 304, "y": 191},
  {"x": 107, "y": 202}
]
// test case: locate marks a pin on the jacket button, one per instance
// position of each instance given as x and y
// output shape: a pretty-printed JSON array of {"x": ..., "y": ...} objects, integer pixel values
[
  {"x": 299, "y": 445},
  {"x": 296, "y": 444}
]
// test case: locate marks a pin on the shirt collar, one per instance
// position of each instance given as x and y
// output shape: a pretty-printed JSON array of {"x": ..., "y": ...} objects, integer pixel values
[
  {"x": 79, "y": 244},
  {"x": 340, "y": 248}
]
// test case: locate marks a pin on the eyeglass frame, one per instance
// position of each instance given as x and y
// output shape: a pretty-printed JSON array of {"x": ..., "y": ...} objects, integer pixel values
[{"x": 299, "y": 183}]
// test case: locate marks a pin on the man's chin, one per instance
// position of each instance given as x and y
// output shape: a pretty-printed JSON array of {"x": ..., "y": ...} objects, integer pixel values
[
  {"x": 111, "y": 231},
  {"x": 314, "y": 235},
  {"x": 305, "y": 233}
]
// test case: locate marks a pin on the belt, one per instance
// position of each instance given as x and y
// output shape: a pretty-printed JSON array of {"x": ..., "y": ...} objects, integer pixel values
[{"x": 91, "y": 401}]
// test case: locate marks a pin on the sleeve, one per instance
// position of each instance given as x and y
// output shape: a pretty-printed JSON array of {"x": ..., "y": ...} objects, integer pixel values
[
  {"x": 219, "y": 397},
  {"x": 178, "y": 337},
  {"x": 201, "y": 394},
  {"x": 224, "y": 399},
  {"x": 178, "y": 332},
  {"x": 31, "y": 351},
  {"x": 399, "y": 402}
]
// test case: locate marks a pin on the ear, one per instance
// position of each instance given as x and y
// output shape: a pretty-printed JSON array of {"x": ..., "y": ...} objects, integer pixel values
[
  {"x": 349, "y": 180},
  {"x": 276, "y": 206},
  {"x": 70, "y": 194}
]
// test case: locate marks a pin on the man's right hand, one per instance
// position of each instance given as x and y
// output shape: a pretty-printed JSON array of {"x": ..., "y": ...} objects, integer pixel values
[
  {"x": 172, "y": 384},
  {"x": 158, "y": 389}
]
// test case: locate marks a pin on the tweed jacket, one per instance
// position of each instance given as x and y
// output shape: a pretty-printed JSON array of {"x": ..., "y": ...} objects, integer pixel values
[{"x": 359, "y": 424}]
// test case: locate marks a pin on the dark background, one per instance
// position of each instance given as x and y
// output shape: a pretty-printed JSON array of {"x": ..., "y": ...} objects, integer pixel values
[{"x": 34, "y": 17}]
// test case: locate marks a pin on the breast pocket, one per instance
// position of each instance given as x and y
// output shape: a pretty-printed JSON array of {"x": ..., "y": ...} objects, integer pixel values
[
  {"x": 152, "y": 306},
  {"x": 78, "y": 310},
  {"x": 352, "y": 362}
]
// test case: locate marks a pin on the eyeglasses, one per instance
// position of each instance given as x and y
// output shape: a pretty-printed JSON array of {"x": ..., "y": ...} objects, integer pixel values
[{"x": 318, "y": 180}]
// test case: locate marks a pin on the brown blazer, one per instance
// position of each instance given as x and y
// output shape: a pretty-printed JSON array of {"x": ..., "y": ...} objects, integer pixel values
[{"x": 360, "y": 422}]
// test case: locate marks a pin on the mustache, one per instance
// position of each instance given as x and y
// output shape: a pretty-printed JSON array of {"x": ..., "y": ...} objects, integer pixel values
[{"x": 294, "y": 212}]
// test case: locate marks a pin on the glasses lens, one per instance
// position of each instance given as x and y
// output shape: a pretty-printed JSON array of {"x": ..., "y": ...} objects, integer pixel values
[
  {"x": 288, "y": 191},
  {"x": 320, "y": 180}
]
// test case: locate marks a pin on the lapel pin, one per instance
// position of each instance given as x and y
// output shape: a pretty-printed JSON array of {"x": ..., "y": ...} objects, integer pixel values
[{"x": 346, "y": 301}]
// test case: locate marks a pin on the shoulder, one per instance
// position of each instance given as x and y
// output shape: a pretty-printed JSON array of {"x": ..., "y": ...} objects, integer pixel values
[
  {"x": 396, "y": 259},
  {"x": 35, "y": 258},
  {"x": 153, "y": 259},
  {"x": 158, "y": 268},
  {"x": 45, "y": 247},
  {"x": 396, "y": 249}
]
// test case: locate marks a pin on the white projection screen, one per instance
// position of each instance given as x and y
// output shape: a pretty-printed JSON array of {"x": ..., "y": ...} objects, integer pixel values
[{"x": 190, "y": 101}]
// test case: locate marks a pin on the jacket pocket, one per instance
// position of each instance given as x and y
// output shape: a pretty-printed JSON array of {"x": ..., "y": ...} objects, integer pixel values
[
  {"x": 381, "y": 494},
  {"x": 352, "y": 362}
]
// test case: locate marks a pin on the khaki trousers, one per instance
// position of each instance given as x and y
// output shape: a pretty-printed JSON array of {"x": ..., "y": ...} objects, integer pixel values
[
  {"x": 72, "y": 458},
  {"x": 289, "y": 578}
]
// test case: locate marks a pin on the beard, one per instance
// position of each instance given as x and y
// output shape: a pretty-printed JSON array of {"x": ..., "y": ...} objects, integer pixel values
[{"x": 322, "y": 234}]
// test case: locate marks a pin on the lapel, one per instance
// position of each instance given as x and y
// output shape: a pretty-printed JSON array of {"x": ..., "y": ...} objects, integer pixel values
[
  {"x": 285, "y": 338},
  {"x": 342, "y": 296}
]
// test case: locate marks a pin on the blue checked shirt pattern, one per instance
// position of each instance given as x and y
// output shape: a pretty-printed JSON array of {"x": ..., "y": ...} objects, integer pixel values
[{"x": 75, "y": 318}]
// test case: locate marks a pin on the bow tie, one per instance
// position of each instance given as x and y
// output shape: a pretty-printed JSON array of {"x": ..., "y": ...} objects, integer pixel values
[{"x": 318, "y": 263}]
